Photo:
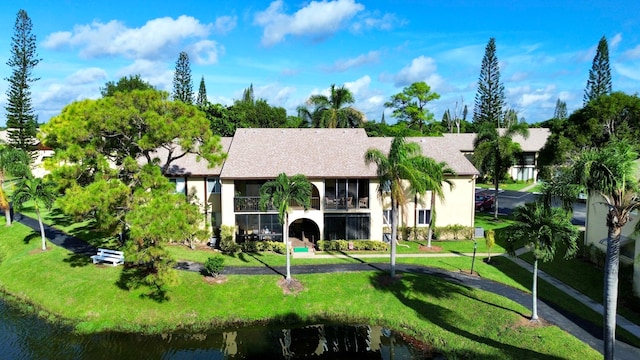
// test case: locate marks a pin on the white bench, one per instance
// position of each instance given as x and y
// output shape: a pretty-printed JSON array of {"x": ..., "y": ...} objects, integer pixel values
[{"x": 115, "y": 257}]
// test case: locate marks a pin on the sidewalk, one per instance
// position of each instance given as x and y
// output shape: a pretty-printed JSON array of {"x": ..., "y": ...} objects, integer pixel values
[{"x": 587, "y": 333}]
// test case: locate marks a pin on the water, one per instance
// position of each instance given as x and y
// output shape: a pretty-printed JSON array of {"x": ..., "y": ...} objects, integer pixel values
[{"x": 24, "y": 336}]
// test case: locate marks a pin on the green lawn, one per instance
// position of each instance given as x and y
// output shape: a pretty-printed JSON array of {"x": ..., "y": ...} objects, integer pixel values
[
  {"x": 434, "y": 310},
  {"x": 517, "y": 186}
]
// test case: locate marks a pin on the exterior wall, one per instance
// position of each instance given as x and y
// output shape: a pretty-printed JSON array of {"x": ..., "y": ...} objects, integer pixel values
[
  {"x": 227, "y": 193},
  {"x": 456, "y": 208},
  {"x": 376, "y": 208},
  {"x": 596, "y": 231}
]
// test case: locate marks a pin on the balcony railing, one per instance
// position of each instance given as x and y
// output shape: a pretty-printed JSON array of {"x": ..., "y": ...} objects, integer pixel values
[
  {"x": 252, "y": 203},
  {"x": 343, "y": 203}
]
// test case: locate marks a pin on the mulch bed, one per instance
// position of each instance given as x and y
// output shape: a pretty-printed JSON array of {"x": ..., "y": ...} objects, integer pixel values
[
  {"x": 291, "y": 287},
  {"x": 430, "y": 249},
  {"x": 220, "y": 279}
]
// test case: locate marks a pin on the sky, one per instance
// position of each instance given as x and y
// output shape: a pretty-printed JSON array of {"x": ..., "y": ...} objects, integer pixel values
[{"x": 289, "y": 50}]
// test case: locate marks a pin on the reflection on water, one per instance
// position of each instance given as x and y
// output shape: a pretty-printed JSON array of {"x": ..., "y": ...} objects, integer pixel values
[{"x": 23, "y": 336}]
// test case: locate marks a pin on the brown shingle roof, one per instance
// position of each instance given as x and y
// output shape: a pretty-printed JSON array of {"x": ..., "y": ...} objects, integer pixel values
[
  {"x": 189, "y": 164},
  {"x": 533, "y": 143},
  {"x": 321, "y": 153}
]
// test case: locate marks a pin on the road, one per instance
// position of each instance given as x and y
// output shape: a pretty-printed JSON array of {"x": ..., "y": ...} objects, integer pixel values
[{"x": 509, "y": 200}]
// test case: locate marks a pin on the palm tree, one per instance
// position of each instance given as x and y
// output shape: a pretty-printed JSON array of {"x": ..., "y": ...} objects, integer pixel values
[
  {"x": 611, "y": 173},
  {"x": 404, "y": 173},
  {"x": 543, "y": 229},
  {"x": 15, "y": 162},
  {"x": 434, "y": 175},
  {"x": 495, "y": 153},
  {"x": 38, "y": 191},
  {"x": 332, "y": 111},
  {"x": 280, "y": 193}
]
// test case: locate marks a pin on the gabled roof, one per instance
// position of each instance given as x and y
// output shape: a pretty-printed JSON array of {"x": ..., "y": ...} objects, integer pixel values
[
  {"x": 321, "y": 153},
  {"x": 533, "y": 143}
]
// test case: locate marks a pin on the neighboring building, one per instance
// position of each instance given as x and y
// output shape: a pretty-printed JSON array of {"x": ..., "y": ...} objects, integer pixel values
[
  {"x": 596, "y": 234},
  {"x": 526, "y": 169},
  {"x": 345, "y": 202},
  {"x": 43, "y": 152}
]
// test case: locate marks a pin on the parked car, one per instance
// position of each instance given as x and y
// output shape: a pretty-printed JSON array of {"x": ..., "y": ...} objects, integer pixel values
[{"x": 484, "y": 202}]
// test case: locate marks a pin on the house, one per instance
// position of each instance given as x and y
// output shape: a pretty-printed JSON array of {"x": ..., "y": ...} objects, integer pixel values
[
  {"x": 596, "y": 234},
  {"x": 345, "y": 202},
  {"x": 524, "y": 170},
  {"x": 43, "y": 152}
]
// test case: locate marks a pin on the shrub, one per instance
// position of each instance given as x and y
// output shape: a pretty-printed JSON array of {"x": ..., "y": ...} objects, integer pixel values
[
  {"x": 258, "y": 246},
  {"x": 214, "y": 265},
  {"x": 229, "y": 247},
  {"x": 454, "y": 232},
  {"x": 358, "y": 245}
]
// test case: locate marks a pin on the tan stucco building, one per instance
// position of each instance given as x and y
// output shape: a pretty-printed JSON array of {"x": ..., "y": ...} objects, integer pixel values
[{"x": 345, "y": 201}]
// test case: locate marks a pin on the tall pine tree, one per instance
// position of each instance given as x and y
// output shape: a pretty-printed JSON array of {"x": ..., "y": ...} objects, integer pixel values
[
  {"x": 489, "y": 102},
  {"x": 182, "y": 84},
  {"x": 599, "y": 82},
  {"x": 21, "y": 120},
  {"x": 201, "y": 100}
]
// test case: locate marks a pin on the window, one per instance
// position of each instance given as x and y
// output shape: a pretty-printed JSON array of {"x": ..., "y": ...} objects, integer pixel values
[
  {"x": 386, "y": 217},
  {"x": 180, "y": 185},
  {"x": 347, "y": 227},
  {"x": 424, "y": 216},
  {"x": 213, "y": 185}
]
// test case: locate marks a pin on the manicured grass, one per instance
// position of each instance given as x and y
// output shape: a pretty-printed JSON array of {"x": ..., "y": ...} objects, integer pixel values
[
  {"x": 589, "y": 280},
  {"x": 517, "y": 186},
  {"x": 442, "y": 313}
]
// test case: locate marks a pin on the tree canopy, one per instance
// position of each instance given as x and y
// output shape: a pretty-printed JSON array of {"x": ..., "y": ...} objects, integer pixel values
[
  {"x": 599, "y": 82},
  {"x": 111, "y": 157},
  {"x": 410, "y": 105},
  {"x": 125, "y": 84},
  {"x": 489, "y": 102},
  {"x": 182, "y": 83},
  {"x": 21, "y": 119},
  {"x": 333, "y": 111}
]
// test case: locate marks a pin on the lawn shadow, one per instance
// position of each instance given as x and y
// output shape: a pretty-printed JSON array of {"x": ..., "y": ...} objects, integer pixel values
[
  {"x": 267, "y": 265},
  {"x": 412, "y": 289},
  {"x": 134, "y": 277},
  {"x": 27, "y": 239},
  {"x": 78, "y": 260}
]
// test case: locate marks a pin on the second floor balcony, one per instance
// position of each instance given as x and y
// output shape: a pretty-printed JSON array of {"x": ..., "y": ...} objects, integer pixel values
[{"x": 252, "y": 204}]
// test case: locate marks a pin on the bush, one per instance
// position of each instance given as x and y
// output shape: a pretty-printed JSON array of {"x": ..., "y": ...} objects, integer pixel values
[
  {"x": 229, "y": 247},
  {"x": 258, "y": 246},
  {"x": 214, "y": 265},
  {"x": 454, "y": 232},
  {"x": 358, "y": 245}
]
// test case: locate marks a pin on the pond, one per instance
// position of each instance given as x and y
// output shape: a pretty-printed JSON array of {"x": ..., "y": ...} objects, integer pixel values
[{"x": 24, "y": 336}]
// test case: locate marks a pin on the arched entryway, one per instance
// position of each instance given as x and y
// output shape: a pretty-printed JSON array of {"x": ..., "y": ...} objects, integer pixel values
[{"x": 306, "y": 231}]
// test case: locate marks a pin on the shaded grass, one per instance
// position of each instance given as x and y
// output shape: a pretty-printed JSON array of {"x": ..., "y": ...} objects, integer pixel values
[
  {"x": 516, "y": 186},
  {"x": 440, "y": 312},
  {"x": 589, "y": 280}
]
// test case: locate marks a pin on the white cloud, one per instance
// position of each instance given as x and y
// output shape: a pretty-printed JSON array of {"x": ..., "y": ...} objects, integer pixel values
[
  {"x": 318, "y": 19},
  {"x": 154, "y": 72},
  {"x": 114, "y": 38},
  {"x": 346, "y": 64},
  {"x": 633, "y": 53},
  {"x": 524, "y": 96},
  {"x": 615, "y": 41},
  {"x": 384, "y": 22},
  {"x": 275, "y": 94},
  {"x": 359, "y": 86},
  {"x": 421, "y": 68},
  {"x": 87, "y": 76},
  {"x": 206, "y": 52},
  {"x": 224, "y": 24},
  {"x": 632, "y": 71}
]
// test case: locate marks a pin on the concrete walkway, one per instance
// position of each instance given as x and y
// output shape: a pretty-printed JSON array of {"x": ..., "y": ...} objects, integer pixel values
[{"x": 579, "y": 328}]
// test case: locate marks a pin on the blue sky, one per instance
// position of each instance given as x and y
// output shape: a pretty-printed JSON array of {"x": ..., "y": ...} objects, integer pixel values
[{"x": 290, "y": 50}]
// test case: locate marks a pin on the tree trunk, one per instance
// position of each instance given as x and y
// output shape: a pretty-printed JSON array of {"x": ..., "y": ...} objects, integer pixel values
[
  {"x": 394, "y": 233},
  {"x": 285, "y": 234},
  {"x": 44, "y": 239},
  {"x": 534, "y": 292},
  {"x": 611, "y": 290},
  {"x": 432, "y": 216},
  {"x": 495, "y": 198},
  {"x": 7, "y": 215}
]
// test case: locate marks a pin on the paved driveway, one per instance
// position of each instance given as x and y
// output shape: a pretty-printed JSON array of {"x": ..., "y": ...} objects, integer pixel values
[{"x": 509, "y": 200}]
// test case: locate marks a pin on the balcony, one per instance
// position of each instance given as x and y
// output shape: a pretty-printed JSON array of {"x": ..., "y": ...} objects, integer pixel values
[
  {"x": 252, "y": 204},
  {"x": 346, "y": 203}
]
